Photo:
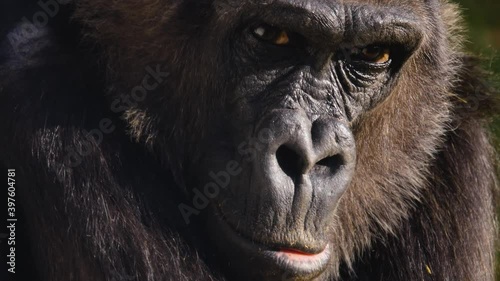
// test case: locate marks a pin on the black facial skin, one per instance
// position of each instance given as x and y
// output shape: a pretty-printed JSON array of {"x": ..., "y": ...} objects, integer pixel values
[{"x": 299, "y": 101}]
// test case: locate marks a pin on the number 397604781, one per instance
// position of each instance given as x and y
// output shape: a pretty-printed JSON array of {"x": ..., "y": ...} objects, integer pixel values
[{"x": 11, "y": 181}]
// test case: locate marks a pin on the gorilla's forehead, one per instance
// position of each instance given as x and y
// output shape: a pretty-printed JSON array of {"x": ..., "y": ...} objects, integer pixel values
[
  {"x": 333, "y": 4},
  {"x": 336, "y": 21},
  {"x": 330, "y": 12}
]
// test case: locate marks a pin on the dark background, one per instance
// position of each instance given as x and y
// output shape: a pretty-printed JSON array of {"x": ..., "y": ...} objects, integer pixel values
[{"x": 483, "y": 19}]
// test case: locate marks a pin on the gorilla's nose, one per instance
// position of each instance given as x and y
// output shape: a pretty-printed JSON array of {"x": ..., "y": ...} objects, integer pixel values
[
  {"x": 307, "y": 164},
  {"x": 301, "y": 146}
]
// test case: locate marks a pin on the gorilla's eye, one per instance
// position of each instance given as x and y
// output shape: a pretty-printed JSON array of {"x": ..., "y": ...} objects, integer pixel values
[
  {"x": 372, "y": 54},
  {"x": 272, "y": 35}
]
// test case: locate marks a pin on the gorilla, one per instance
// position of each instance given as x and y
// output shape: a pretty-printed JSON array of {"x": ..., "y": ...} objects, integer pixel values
[{"x": 246, "y": 140}]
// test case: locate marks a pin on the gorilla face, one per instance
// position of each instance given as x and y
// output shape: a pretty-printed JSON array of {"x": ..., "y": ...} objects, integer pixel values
[{"x": 300, "y": 75}]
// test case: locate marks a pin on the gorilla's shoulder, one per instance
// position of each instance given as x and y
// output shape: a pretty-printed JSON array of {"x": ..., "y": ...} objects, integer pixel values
[
  {"x": 46, "y": 79},
  {"x": 47, "y": 63}
]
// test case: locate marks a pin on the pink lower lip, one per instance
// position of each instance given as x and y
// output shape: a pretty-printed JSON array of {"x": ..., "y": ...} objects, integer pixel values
[{"x": 297, "y": 255}]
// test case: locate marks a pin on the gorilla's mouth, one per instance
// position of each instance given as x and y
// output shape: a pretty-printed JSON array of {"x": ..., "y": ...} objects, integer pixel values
[{"x": 297, "y": 261}]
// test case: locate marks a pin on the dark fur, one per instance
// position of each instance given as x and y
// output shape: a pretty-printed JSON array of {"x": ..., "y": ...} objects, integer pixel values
[{"x": 420, "y": 206}]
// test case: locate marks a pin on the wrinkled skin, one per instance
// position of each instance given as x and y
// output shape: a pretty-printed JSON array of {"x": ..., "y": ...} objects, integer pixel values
[{"x": 273, "y": 140}]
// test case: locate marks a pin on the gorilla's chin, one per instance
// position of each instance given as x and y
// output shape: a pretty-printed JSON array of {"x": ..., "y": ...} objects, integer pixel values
[{"x": 266, "y": 262}]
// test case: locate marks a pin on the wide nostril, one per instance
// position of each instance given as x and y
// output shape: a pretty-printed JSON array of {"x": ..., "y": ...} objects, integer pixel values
[
  {"x": 292, "y": 163},
  {"x": 289, "y": 161},
  {"x": 329, "y": 164}
]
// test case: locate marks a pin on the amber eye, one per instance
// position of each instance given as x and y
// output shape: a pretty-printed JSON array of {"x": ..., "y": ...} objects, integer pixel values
[
  {"x": 372, "y": 54},
  {"x": 272, "y": 35}
]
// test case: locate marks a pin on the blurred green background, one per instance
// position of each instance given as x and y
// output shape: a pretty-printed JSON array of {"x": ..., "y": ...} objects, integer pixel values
[
  {"x": 483, "y": 23},
  {"x": 483, "y": 19}
]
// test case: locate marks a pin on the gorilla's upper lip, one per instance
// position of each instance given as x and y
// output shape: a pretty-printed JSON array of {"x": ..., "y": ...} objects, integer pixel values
[{"x": 298, "y": 247}]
